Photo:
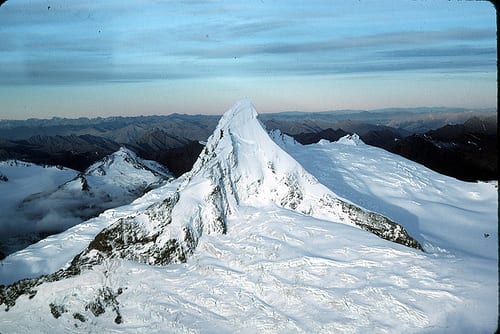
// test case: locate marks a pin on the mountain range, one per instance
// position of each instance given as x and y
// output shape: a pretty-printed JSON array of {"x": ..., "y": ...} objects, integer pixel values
[
  {"x": 174, "y": 140},
  {"x": 467, "y": 151},
  {"x": 264, "y": 234}
]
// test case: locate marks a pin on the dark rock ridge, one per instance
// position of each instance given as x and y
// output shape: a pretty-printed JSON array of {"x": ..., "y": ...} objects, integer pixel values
[
  {"x": 466, "y": 151},
  {"x": 80, "y": 152},
  {"x": 329, "y": 134}
]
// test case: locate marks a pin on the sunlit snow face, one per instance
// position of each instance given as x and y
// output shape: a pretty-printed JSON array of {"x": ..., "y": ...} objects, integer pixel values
[{"x": 61, "y": 58}]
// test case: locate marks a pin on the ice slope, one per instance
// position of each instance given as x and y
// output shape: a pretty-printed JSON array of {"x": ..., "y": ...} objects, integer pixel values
[
  {"x": 441, "y": 212},
  {"x": 275, "y": 269}
]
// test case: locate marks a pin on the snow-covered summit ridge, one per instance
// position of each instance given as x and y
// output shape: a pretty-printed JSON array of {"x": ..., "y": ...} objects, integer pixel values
[
  {"x": 239, "y": 116},
  {"x": 249, "y": 168},
  {"x": 241, "y": 166},
  {"x": 122, "y": 161}
]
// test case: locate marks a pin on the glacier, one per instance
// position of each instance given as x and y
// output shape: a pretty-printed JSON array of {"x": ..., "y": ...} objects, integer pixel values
[{"x": 265, "y": 236}]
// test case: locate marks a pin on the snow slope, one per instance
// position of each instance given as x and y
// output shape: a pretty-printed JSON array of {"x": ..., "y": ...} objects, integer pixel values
[
  {"x": 441, "y": 212},
  {"x": 267, "y": 267}
]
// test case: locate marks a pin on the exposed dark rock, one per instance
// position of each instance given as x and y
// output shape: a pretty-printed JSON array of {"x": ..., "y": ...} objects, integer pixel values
[
  {"x": 85, "y": 184},
  {"x": 373, "y": 222},
  {"x": 57, "y": 310},
  {"x": 380, "y": 226},
  {"x": 294, "y": 196},
  {"x": 79, "y": 316}
]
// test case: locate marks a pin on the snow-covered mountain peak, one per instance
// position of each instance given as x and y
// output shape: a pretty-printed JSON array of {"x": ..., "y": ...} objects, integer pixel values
[
  {"x": 239, "y": 117},
  {"x": 121, "y": 159},
  {"x": 243, "y": 161},
  {"x": 240, "y": 167},
  {"x": 246, "y": 167},
  {"x": 124, "y": 153},
  {"x": 126, "y": 169}
]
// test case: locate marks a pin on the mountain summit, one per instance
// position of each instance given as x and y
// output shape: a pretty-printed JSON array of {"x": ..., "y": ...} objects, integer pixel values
[
  {"x": 265, "y": 246},
  {"x": 240, "y": 166}
]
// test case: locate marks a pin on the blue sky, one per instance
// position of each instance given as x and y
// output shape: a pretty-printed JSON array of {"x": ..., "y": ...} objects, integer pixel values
[{"x": 103, "y": 58}]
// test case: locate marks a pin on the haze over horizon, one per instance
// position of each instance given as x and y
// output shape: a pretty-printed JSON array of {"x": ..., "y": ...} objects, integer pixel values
[{"x": 68, "y": 59}]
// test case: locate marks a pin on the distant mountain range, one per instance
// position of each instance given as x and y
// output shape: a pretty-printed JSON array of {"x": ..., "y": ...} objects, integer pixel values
[
  {"x": 420, "y": 134},
  {"x": 466, "y": 151}
]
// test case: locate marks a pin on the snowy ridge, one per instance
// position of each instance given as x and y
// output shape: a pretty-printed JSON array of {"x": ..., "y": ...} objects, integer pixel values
[
  {"x": 240, "y": 166},
  {"x": 259, "y": 250},
  {"x": 112, "y": 181},
  {"x": 115, "y": 180},
  {"x": 124, "y": 169}
]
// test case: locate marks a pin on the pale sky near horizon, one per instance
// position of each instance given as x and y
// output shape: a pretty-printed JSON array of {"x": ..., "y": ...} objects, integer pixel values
[{"x": 104, "y": 58}]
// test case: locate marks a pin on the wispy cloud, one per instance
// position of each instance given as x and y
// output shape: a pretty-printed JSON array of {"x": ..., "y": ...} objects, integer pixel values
[
  {"x": 96, "y": 42},
  {"x": 85, "y": 59}
]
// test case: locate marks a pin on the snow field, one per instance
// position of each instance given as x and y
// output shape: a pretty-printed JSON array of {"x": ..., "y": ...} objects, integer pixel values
[
  {"x": 439, "y": 211},
  {"x": 278, "y": 272}
]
